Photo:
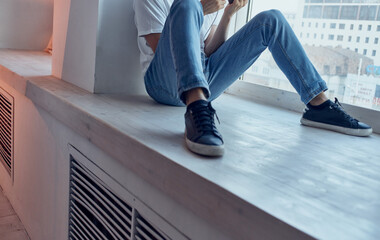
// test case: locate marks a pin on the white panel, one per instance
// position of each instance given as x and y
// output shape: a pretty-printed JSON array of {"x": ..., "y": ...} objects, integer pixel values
[{"x": 25, "y": 24}]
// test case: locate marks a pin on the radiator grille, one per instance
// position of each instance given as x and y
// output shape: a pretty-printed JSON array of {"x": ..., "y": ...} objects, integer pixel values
[
  {"x": 6, "y": 130},
  {"x": 96, "y": 212},
  {"x": 144, "y": 230}
]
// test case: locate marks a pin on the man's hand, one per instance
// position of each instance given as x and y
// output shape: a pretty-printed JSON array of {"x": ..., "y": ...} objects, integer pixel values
[
  {"x": 232, "y": 8},
  {"x": 211, "y": 6}
]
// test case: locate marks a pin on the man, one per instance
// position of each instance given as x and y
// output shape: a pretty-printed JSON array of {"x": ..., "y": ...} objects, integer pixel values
[{"x": 187, "y": 60}]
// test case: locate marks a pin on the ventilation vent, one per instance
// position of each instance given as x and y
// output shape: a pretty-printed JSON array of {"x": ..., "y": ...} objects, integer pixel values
[
  {"x": 6, "y": 130},
  {"x": 97, "y": 212},
  {"x": 144, "y": 230}
]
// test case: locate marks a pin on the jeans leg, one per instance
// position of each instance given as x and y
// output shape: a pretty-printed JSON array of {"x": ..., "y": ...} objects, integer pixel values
[
  {"x": 177, "y": 65},
  {"x": 267, "y": 29}
]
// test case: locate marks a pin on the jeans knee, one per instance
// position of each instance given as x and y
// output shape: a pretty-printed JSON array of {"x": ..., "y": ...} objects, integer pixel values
[{"x": 273, "y": 15}]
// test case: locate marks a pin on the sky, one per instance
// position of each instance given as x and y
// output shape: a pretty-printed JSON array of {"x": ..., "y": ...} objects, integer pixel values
[{"x": 287, "y": 6}]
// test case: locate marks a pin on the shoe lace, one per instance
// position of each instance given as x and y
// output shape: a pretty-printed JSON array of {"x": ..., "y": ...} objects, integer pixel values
[
  {"x": 204, "y": 119},
  {"x": 339, "y": 108}
]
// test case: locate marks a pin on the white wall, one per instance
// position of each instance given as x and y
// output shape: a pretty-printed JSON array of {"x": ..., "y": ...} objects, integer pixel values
[
  {"x": 117, "y": 54},
  {"x": 25, "y": 24},
  {"x": 95, "y": 46}
]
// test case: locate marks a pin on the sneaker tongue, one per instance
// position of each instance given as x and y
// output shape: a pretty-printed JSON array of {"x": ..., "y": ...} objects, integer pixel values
[{"x": 323, "y": 105}]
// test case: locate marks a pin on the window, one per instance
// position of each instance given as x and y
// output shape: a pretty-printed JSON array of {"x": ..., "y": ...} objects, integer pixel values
[
  {"x": 305, "y": 11},
  {"x": 326, "y": 69},
  {"x": 331, "y": 12},
  {"x": 338, "y": 70},
  {"x": 326, "y": 25},
  {"x": 349, "y": 12},
  {"x": 367, "y": 12},
  {"x": 315, "y": 12}
]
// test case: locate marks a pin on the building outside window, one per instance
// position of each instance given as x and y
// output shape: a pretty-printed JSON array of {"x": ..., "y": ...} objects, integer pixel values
[{"x": 349, "y": 70}]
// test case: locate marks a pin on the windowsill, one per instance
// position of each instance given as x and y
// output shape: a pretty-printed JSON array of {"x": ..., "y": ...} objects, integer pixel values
[
  {"x": 277, "y": 178},
  {"x": 291, "y": 101}
]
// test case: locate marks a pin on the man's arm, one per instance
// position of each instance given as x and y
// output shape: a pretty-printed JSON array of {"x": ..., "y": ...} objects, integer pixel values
[
  {"x": 152, "y": 40},
  {"x": 218, "y": 35}
]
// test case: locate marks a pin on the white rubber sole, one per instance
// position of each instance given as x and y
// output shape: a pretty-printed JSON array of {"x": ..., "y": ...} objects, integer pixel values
[
  {"x": 206, "y": 150},
  {"x": 348, "y": 131}
]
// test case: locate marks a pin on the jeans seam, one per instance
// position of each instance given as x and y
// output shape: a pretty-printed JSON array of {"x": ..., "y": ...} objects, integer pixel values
[{"x": 310, "y": 93}]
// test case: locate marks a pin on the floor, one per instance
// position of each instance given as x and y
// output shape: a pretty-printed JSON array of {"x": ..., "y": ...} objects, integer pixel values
[{"x": 11, "y": 227}]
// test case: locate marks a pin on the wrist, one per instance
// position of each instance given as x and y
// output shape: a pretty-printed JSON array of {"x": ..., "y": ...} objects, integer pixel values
[{"x": 227, "y": 15}]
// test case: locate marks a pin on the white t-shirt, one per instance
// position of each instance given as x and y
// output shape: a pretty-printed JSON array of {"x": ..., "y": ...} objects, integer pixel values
[{"x": 150, "y": 17}]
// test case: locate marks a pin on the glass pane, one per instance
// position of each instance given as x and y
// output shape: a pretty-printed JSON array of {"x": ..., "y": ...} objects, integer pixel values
[
  {"x": 341, "y": 40},
  {"x": 349, "y": 12},
  {"x": 315, "y": 11},
  {"x": 331, "y": 12},
  {"x": 367, "y": 12}
]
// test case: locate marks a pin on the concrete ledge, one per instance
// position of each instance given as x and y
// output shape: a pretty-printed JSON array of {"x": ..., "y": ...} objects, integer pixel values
[{"x": 277, "y": 180}]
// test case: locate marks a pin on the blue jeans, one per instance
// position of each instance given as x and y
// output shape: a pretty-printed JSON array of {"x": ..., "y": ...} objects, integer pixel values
[{"x": 179, "y": 65}]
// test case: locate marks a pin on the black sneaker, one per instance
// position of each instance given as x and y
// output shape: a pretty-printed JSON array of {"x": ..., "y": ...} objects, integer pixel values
[
  {"x": 201, "y": 135},
  {"x": 331, "y": 116}
]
